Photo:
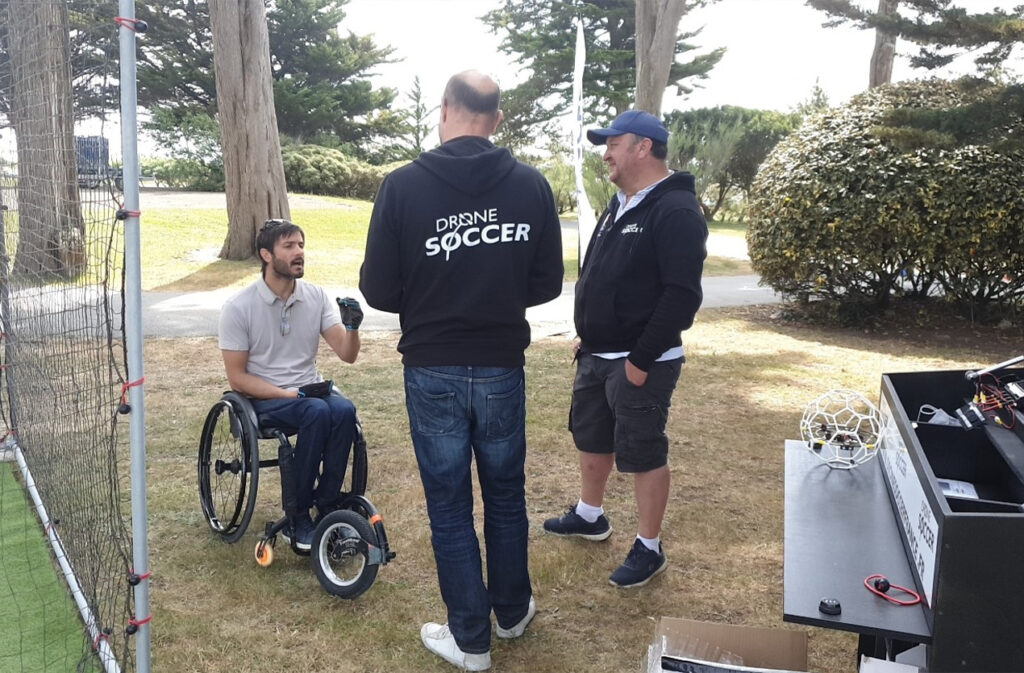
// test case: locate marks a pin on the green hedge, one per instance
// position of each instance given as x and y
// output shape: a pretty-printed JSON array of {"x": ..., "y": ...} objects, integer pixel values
[
  {"x": 315, "y": 169},
  {"x": 185, "y": 174},
  {"x": 847, "y": 210}
]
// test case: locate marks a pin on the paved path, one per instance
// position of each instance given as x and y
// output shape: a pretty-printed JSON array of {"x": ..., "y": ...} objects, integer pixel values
[{"x": 175, "y": 314}]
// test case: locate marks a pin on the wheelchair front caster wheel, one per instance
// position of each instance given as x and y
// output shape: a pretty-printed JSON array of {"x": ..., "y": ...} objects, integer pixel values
[
  {"x": 345, "y": 555},
  {"x": 264, "y": 553}
]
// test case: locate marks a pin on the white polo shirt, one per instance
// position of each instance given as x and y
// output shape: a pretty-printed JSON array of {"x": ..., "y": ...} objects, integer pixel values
[{"x": 282, "y": 338}]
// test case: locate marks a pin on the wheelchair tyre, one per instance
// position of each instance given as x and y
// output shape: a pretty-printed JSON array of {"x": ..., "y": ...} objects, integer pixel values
[
  {"x": 342, "y": 568},
  {"x": 228, "y": 468}
]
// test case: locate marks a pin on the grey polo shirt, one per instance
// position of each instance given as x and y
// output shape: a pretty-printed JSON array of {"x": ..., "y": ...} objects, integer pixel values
[{"x": 255, "y": 320}]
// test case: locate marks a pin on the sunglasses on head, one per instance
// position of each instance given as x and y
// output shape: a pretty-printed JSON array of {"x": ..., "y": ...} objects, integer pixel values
[{"x": 270, "y": 224}]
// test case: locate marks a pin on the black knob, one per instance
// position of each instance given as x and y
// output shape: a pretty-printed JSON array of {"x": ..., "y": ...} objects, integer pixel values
[{"x": 830, "y": 606}]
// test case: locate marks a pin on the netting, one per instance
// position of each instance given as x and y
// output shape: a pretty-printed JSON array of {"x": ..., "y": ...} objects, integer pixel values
[{"x": 63, "y": 361}]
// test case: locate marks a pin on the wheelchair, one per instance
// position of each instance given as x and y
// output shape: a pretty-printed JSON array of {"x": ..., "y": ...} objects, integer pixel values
[{"x": 350, "y": 543}]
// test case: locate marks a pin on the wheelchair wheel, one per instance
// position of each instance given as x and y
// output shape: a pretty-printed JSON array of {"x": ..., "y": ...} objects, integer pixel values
[
  {"x": 228, "y": 471},
  {"x": 340, "y": 557}
]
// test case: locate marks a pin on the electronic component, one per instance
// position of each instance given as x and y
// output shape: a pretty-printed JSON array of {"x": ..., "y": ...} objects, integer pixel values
[{"x": 970, "y": 416}]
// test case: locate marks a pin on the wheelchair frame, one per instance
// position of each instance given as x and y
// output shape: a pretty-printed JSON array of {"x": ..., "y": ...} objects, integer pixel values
[{"x": 352, "y": 535}]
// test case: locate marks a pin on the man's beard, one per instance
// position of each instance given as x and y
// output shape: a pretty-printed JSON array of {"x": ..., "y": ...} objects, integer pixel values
[{"x": 284, "y": 270}]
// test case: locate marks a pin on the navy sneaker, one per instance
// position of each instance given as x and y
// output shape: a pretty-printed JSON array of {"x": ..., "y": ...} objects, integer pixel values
[
  {"x": 301, "y": 529},
  {"x": 640, "y": 566},
  {"x": 324, "y": 510},
  {"x": 572, "y": 524}
]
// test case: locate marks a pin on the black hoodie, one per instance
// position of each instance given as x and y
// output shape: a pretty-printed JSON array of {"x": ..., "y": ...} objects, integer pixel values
[
  {"x": 640, "y": 282},
  {"x": 461, "y": 241}
]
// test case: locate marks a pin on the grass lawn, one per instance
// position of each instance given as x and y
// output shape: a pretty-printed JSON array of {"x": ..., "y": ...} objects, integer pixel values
[
  {"x": 743, "y": 390},
  {"x": 723, "y": 227},
  {"x": 40, "y": 628},
  {"x": 180, "y": 247}
]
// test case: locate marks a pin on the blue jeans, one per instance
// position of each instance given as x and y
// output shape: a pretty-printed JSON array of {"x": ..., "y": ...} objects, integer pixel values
[
  {"x": 456, "y": 413},
  {"x": 326, "y": 428}
]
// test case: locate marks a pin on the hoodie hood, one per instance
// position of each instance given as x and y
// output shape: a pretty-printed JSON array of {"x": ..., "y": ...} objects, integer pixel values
[
  {"x": 470, "y": 164},
  {"x": 678, "y": 180}
]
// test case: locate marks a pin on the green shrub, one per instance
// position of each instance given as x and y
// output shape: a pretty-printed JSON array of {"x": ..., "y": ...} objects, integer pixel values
[
  {"x": 315, "y": 169},
  {"x": 562, "y": 178},
  {"x": 600, "y": 189},
  {"x": 190, "y": 174},
  {"x": 848, "y": 210}
]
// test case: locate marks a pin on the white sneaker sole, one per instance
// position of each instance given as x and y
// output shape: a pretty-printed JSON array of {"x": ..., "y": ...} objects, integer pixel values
[
  {"x": 467, "y": 662},
  {"x": 298, "y": 545},
  {"x": 657, "y": 572},
  {"x": 520, "y": 628},
  {"x": 593, "y": 537}
]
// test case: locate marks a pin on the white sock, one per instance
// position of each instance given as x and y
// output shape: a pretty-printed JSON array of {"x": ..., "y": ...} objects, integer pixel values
[
  {"x": 588, "y": 513},
  {"x": 654, "y": 544}
]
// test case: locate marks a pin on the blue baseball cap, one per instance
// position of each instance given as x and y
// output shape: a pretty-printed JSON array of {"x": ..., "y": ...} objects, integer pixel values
[{"x": 636, "y": 122}]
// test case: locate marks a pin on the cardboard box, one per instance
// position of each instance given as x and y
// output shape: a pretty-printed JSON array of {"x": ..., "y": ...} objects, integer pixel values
[{"x": 693, "y": 645}]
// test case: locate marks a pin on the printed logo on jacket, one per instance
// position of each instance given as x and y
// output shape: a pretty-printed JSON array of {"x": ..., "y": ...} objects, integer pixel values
[{"x": 473, "y": 228}]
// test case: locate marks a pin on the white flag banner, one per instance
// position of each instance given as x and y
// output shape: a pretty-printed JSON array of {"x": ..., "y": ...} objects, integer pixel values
[{"x": 587, "y": 219}]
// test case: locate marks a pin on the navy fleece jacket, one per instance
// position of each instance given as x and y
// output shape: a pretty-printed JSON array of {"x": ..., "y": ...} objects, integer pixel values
[
  {"x": 461, "y": 242},
  {"x": 640, "y": 282}
]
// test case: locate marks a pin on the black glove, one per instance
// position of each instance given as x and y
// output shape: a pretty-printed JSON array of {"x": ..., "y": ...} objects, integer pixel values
[
  {"x": 351, "y": 313},
  {"x": 322, "y": 389}
]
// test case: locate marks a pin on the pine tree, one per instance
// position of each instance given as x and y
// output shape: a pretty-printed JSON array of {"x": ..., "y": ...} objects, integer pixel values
[
  {"x": 322, "y": 89},
  {"x": 541, "y": 35},
  {"x": 941, "y": 29}
]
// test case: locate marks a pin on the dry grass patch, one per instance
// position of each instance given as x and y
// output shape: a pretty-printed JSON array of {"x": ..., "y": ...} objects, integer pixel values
[{"x": 742, "y": 393}]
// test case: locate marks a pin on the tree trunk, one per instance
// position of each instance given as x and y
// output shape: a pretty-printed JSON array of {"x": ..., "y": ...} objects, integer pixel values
[
  {"x": 50, "y": 226},
  {"x": 657, "y": 23},
  {"x": 253, "y": 171},
  {"x": 885, "y": 48}
]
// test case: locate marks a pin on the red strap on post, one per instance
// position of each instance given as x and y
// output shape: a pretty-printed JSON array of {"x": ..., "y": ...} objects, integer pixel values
[
  {"x": 130, "y": 384},
  {"x": 130, "y": 24}
]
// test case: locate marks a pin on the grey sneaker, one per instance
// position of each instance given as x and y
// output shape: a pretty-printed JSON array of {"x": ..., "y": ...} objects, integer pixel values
[
  {"x": 439, "y": 640},
  {"x": 640, "y": 566},
  {"x": 572, "y": 524},
  {"x": 520, "y": 628}
]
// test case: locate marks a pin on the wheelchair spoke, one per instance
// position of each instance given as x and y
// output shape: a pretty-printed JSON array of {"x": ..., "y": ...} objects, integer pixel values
[
  {"x": 227, "y": 480},
  {"x": 340, "y": 555}
]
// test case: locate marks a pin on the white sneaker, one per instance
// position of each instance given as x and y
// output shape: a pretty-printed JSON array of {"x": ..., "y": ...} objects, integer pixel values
[
  {"x": 439, "y": 640},
  {"x": 519, "y": 628}
]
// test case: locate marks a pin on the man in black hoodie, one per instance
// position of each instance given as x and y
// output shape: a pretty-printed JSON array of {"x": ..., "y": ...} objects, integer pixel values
[
  {"x": 461, "y": 242},
  {"x": 639, "y": 287}
]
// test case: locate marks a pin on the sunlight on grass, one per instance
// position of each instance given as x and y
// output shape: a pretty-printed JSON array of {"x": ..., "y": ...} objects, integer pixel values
[
  {"x": 180, "y": 247},
  {"x": 725, "y": 227},
  {"x": 726, "y": 266},
  {"x": 741, "y": 395}
]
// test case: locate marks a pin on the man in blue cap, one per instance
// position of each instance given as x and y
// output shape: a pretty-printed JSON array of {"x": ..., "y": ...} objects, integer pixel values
[{"x": 638, "y": 289}]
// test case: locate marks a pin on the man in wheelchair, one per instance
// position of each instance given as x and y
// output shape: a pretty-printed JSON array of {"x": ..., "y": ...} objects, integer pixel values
[{"x": 269, "y": 334}]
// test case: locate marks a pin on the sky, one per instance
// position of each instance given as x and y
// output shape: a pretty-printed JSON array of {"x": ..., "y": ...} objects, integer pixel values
[{"x": 776, "y": 49}]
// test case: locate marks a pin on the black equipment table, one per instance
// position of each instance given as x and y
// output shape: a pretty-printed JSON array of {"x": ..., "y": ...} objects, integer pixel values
[{"x": 839, "y": 529}]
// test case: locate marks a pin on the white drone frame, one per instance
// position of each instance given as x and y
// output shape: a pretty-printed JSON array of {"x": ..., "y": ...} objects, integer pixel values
[{"x": 841, "y": 428}]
